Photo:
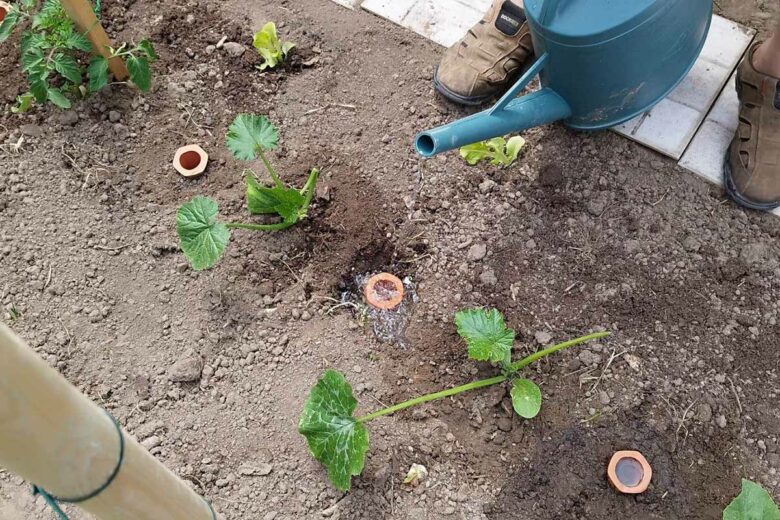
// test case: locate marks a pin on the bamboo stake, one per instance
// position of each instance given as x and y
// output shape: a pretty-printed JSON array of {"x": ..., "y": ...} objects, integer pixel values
[
  {"x": 80, "y": 11},
  {"x": 53, "y": 436}
]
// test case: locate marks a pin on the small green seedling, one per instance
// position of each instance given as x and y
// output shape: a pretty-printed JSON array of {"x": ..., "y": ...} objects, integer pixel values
[
  {"x": 753, "y": 503},
  {"x": 270, "y": 48},
  {"x": 53, "y": 56},
  {"x": 203, "y": 238},
  {"x": 340, "y": 441},
  {"x": 500, "y": 151}
]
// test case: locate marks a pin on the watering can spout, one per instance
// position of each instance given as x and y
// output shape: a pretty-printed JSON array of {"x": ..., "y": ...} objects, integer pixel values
[{"x": 510, "y": 114}]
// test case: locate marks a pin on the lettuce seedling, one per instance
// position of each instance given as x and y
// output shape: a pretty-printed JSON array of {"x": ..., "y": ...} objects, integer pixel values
[
  {"x": 753, "y": 503},
  {"x": 203, "y": 238},
  {"x": 500, "y": 151},
  {"x": 339, "y": 440},
  {"x": 270, "y": 48}
]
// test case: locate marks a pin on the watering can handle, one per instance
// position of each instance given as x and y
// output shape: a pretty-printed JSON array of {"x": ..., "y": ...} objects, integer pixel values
[
  {"x": 523, "y": 82},
  {"x": 548, "y": 9}
]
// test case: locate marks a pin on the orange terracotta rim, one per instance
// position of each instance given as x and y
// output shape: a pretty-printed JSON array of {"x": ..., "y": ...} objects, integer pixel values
[
  {"x": 384, "y": 291},
  {"x": 4, "y": 10},
  {"x": 629, "y": 472}
]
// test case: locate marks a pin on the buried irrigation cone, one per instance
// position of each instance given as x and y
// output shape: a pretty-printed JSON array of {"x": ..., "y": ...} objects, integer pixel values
[
  {"x": 4, "y": 10},
  {"x": 54, "y": 437},
  {"x": 191, "y": 160},
  {"x": 384, "y": 291},
  {"x": 629, "y": 472}
]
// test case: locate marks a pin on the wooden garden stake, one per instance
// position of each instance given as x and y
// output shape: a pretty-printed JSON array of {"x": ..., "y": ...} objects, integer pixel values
[
  {"x": 80, "y": 11},
  {"x": 56, "y": 438}
]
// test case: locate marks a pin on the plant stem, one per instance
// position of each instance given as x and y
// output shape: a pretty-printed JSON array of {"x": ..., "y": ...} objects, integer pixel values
[
  {"x": 483, "y": 382},
  {"x": 555, "y": 348},
  {"x": 270, "y": 169},
  {"x": 308, "y": 188},
  {"x": 430, "y": 397},
  {"x": 260, "y": 227}
]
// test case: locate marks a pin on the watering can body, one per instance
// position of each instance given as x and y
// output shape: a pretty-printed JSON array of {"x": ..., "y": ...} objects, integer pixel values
[{"x": 600, "y": 63}]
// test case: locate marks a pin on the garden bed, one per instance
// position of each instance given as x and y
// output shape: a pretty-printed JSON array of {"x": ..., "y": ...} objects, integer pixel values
[{"x": 583, "y": 232}]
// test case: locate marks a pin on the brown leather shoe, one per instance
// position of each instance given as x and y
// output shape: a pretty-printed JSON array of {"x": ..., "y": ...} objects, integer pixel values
[
  {"x": 488, "y": 59},
  {"x": 752, "y": 170}
]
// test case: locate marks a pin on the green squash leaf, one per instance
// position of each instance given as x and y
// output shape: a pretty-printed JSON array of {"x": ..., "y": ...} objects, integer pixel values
[
  {"x": 58, "y": 98},
  {"x": 140, "y": 73},
  {"x": 285, "y": 202},
  {"x": 486, "y": 334},
  {"x": 67, "y": 67},
  {"x": 98, "y": 73},
  {"x": 335, "y": 438},
  {"x": 203, "y": 239},
  {"x": 753, "y": 503},
  {"x": 249, "y": 133},
  {"x": 526, "y": 398},
  {"x": 8, "y": 24}
]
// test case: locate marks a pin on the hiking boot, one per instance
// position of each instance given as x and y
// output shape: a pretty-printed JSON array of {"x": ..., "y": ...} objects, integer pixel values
[
  {"x": 488, "y": 59},
  {"x": 752, "y": 169}
]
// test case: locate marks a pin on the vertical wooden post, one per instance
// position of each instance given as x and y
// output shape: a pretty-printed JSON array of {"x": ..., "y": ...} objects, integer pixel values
[
  {"x": 53, "y": 436},
  {"x": 80, "y": 11}
]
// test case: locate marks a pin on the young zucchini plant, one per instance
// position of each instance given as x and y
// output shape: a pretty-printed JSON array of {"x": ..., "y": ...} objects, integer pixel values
[
  {"x": 340, "y": 441},
  {"x": 268, "y": 45},
  {"x": 753, "y": 503},
  {"x": 203, "y": 238},
  {"x": 53, "y": 56}
]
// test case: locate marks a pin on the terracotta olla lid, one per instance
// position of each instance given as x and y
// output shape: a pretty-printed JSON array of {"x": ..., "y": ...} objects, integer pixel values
[
  {"x": 384, "y": 291},
  {"x": 190, "y": 161},
  {"x": 629, "y": 472}
]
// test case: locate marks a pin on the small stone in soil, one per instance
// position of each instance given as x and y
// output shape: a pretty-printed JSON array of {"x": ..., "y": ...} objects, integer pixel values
[
  {"x": 477, "y": 252},
  {"x": 187, "y": 369}
]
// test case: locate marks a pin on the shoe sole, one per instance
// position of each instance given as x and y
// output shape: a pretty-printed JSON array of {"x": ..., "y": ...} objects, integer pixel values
[
  {"x": 455, "y": 97},
  {"x": 731, "y": 189}
]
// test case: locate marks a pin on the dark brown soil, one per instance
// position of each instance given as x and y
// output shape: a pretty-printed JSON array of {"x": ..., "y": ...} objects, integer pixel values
[{"x": 585, "y": 232}]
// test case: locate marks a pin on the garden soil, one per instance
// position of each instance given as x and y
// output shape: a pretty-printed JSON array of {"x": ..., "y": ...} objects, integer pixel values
[{"x": 584, "y": 232}]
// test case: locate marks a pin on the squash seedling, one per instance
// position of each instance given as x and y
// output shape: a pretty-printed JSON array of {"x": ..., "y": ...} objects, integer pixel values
[
  {"x": 500, "y": 151},
  {"x": 203, "y": 238},
  {"x": 339, "y": 440},
  {"x": 268, "y": 45},
  {"x": 753, "y": 503},
  {"x": 51, "y": 56}
]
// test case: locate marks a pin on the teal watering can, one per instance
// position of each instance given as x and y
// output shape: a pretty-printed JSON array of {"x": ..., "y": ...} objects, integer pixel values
[{"x": 600, "y": 62}]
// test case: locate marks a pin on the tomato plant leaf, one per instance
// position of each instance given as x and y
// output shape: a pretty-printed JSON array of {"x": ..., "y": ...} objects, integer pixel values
[
  {"x": 486, "y": 334},
  {"x": 58, "y": 98},
  {"x": 98, "y": 73},
  {"x": 335, "y": 438},
  {"x": 140, "y": 73},
  {"x": 249, "y": 133},
  {"x": 68, "y": 67},
  {"x": 8, "y": 24},
  {"x": 38, "y": 85},
  {"x": 78, "y": 41},
  {"x": 203, "y": 239},
  {"x": 32, "y": 59},
  {"x": 753, "y": 503},
  {"x": 147, "y": 48},
  {"x": 526, "y": 398}
]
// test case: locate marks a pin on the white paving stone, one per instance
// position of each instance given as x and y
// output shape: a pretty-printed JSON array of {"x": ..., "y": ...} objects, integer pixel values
[
  {"x": 349, "y": 4},
  {"x": 393, "y": 10},
  {"x": 443, "y": 21}
]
